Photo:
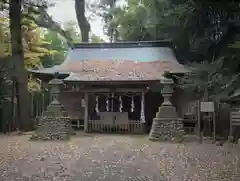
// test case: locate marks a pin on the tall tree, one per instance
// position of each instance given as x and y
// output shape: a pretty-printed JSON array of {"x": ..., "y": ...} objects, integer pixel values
[
  {"x": 82, "y": 20},
  {"x": 20, "y": 73}
]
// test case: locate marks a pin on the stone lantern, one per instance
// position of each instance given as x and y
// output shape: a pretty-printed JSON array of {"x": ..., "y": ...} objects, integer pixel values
[
  {"x": 55, "y": 85},
  {"x": 55, "y": 108},
  {"x": 54, "y": 124},
  {"x": 167, "y": 126}
]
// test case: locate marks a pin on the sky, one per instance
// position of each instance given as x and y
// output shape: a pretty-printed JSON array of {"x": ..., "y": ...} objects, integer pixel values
[{"x": 64, "y": 11}]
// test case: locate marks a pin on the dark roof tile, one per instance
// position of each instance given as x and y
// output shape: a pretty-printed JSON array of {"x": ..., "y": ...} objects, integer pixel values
[{"x": 95, "y": 70}]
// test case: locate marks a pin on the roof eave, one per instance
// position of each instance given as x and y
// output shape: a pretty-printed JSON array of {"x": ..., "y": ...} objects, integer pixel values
[{"x": 112, "y": 81}]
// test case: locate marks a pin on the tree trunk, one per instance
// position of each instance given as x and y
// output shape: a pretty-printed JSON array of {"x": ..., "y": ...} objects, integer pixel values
[
  {"x": 18, "y": 62},
  {"x": 113, "y": 37},
  {"x": 82, "y": 20}
]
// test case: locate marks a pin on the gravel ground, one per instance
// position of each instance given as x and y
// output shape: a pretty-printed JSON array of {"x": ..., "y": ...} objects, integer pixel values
[{"x": 114, "y": 158}]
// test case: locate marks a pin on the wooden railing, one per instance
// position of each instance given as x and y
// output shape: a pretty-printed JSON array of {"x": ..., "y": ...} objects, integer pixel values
[
  {"x": 234, "y": 123},
  {"x": 189, "y": 123},
  {"x": 133, "y": 126},
  {"x": 235, "y": 118},
  {"x": 77, "y": 123}
]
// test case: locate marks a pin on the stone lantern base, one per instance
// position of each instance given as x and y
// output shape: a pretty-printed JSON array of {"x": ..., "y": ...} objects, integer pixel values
[
  {"x": 54, "y": 124},
  {"x": 53, "y": 128},
  {"x": 167, "y": 126},
  {"x": 166, "y": 130}
]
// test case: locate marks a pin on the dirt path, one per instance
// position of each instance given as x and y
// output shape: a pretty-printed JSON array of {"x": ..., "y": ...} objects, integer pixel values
[{"x": 112, "y": 157}]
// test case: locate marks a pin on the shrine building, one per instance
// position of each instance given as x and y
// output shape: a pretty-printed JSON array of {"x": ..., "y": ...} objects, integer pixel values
[{"x": 114, "y": 85}]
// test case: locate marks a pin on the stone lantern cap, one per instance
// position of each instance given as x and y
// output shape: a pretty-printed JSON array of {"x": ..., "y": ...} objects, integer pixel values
[
  {"x": 167, "y": 86},
  {"x": 165, "y": 80},
  {"x": 56, "y": 81}
]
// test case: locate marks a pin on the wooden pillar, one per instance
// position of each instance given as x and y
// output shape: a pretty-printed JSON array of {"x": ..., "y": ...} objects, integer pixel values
[
  {"x": 199, "y": 121},
  {"x": 86, "y": 112},
  {"x": 32, "y": 105},
  {"x": 230, "y": 137},
  {"x": 43, "y": 103},
  {"x": 112, "y": 96},
  {"x": 36, "y": 97}
]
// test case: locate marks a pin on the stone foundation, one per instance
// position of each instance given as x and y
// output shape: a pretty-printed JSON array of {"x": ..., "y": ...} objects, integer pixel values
[
  {"x": 53, "y": 128},
  {"x": 167, "y": 130}
]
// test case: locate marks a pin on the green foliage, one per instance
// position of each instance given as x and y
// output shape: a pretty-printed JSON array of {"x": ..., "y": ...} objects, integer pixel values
[
  {"x": 58, "y": 47},
  {"x": 32, "y": 43},
  {"x": 35, "y": 50},
  {"x": 96, "y": 39},
  {"x": 202, "y": 32},
  {"x": 147, "y": 20},
  {"x": 71, "y": 27},
  {"x": 32, "y": 46},
  {"x": 5, "y": 79}
]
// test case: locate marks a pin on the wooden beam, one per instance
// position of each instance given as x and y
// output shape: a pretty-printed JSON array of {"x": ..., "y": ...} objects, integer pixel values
[
  {"x": 86, "y": 112},
  {"x": 130, "y": 90},
  {"x": 110, "y": 90},
  {"x": 110, "y": 82}
]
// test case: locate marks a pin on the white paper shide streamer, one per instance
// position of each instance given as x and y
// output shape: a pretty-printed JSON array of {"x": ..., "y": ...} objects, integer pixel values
[
  {"x": 83, "y": 102},
  {"x": 107, "y": 104},
  {"x": 120, "y": 104},
  {"x": 132, "y": 105},
  {"x": 97, "y": 105}
]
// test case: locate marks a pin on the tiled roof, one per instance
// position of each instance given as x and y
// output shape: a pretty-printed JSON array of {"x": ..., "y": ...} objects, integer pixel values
[
  {"x": 119, "y": 61},
  {"x": 140, "y": 54},
  {"x": 94, "y": 70}
]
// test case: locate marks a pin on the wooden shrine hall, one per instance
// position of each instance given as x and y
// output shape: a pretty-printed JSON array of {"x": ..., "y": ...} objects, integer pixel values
[{"x": 114, "y": 87}]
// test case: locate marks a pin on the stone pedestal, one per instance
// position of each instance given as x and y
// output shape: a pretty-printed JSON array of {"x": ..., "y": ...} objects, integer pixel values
[
  {"x": 55, "y": 109},
  {"x": 53, "y": 128},
  {"x": 54, "y": 124},
  {"x": 167, "y": 126},
  {"x": 166, "y": 130}
]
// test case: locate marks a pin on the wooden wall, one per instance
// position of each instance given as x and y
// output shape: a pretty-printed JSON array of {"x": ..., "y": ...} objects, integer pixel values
[{"x": 72, "y": 103}]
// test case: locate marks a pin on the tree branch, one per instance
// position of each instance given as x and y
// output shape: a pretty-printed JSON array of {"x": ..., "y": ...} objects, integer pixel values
[
  {"x": 44, "y": 20},
  {"x": 41, "y": 17}
]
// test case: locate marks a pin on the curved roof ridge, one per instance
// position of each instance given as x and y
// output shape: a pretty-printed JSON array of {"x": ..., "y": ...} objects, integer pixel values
[
  {"x": 140, "y": 54},
  {"x": 125, "y": 44}
]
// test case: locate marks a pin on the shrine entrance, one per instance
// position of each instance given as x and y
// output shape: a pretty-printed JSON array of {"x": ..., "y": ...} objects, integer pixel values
[
  {"x": 113, "y": 107},
  {"x": 116, "y": 112}
]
